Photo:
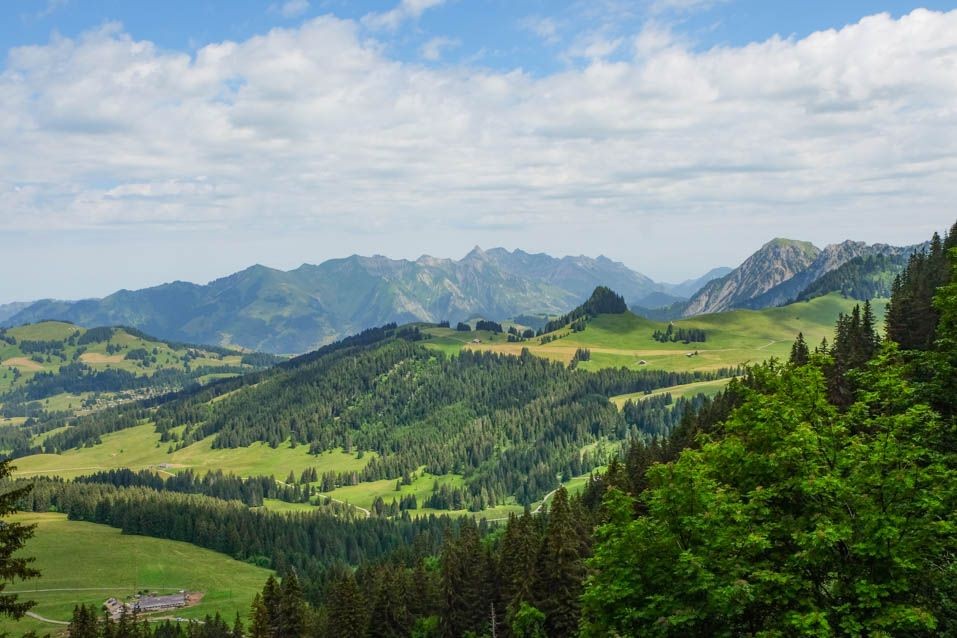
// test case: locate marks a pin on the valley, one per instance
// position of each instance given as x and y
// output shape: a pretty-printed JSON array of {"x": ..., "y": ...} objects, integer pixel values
[
  {"x": 393, "y": 433},
  {"x": 87, "y": 563},
  {"x": 615, "y": 342}
]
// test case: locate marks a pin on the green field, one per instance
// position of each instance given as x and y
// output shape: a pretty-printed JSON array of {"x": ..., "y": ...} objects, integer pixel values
[
  {"x": 733, "y": 338},
  {"x": 102, "y": 355},
  {"x": 140, "y": 448},
  {"x": 89, "y": 563},
  {"x": 707, "y": 388}
]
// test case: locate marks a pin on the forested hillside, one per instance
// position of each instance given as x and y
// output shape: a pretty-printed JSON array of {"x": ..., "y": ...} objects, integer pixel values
[
  {"x": 511, "y": 426},
  {"x": 813, "y": 496},
  {"x": 52, "y": 371}
]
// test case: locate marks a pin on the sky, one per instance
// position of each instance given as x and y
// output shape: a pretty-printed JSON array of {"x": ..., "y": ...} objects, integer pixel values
[{"x": 147, "y": 142}]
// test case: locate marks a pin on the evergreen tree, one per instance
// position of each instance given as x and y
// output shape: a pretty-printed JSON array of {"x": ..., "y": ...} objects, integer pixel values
[
  {"x": 800, "y": 353},
  {"x": 259, "y": 619},
  {"x": 347, "y": 609},
  {"x": 292, "y": 608},
  {"x": 13, "y": 536},
  {"x": 465, "y": 604},
  {"x": 560, "y": 569}
]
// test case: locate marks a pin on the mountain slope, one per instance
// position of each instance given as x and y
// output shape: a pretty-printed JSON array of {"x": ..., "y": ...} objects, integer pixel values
[
  {"x": 579, "y": 275},
  {"x": 277, "y": 311},
  {"x": 775, "y": 262},
  {"x": 832, "y": 257},
  {"x": 689, "y": 287},
  {"x": 860, "y": 278},
  {"x": 7, "y": 310}
]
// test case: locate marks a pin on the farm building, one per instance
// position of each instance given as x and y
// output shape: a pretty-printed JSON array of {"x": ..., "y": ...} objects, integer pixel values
[{"x": 146, "y": 604}]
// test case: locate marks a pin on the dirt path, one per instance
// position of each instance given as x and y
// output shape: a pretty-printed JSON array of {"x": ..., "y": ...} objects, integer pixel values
[
  {"x": 537, "y": 510},
  {"x": 335, "y": 500},
  {"x": 49, "y": 620}
]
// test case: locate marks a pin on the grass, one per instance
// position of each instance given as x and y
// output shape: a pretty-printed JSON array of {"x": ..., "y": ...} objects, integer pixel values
[
  {"x": 74, "y": 555},
  {"x": 44, "y": 331},
  {"x": 707, "y": 388},
  {"x": 733, "y": 338},
  {"x": 140, "y": 448},
  {"x": 98, "y": 357},
  {"x": 364, "y": 494}
]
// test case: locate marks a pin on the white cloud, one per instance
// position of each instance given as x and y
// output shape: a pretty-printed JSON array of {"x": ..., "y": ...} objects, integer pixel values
[
  {"x": 435, "y": 47},
  {"x": 314, "y": 127},
  {"x": 52, "y": 6},
  {"x": 291, "y": 8},
  {"x": 405, "y": 10},
  {"x": 545, "y": 28},
  {"x": 594, "y": 46}
]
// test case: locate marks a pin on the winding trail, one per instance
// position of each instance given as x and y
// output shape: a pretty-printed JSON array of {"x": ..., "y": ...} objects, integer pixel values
[
  {"x": 335, "y": 500},
  {"x": 49, "y": 620},
  {"x": 537, "y": 510}
]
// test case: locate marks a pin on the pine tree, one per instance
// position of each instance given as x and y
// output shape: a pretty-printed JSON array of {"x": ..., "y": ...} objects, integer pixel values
[
  {"x": 463, "y": 583},
  {"x": 259, "y": 621},
  {"x": 272, "y": 602},
  {"x": 13, "y": 536},
  {"x": 347, "y": 612},
  {"x": 799, "y": 351},
  {"x": 561, "y": 570},
  {"x": 292, "y": 608}
]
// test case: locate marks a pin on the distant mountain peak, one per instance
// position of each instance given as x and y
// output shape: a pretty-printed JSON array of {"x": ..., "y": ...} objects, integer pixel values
[
  {"x": 476, "y": 253},
  {"x": 775, "y": 262}
]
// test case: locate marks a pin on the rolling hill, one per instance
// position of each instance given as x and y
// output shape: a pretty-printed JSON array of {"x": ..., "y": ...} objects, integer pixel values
[
  {"x": 295, "y": 311},
  {"x": 732, "y": 338},
  {"x": 53, "y": 370},
  {"x": 87, "y": 563},
  {"x": 430, "y": 403}
]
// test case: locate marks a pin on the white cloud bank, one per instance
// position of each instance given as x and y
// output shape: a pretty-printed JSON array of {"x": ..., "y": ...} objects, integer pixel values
[{"x": 314, "y": 127}]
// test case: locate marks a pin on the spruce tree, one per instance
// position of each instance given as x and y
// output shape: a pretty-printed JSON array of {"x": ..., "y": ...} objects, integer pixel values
[
  {"x": 259, "y": 619},
  {"x": 561, "y": 570},
  {"x": 463, "y": 583},
  {"x": 13, "y": 536},
  {"x": 347, "y": 609},
  {"x": 292, "y": 608},
  {"x": 799, "y": 351}
]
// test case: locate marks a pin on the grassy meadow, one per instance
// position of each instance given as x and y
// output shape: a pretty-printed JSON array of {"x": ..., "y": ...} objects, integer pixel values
[
  {"x": 102, "y": 355},
  {"x": 87, "y": 563},
  {"x": 139, "y": 448},
  {"x": 733, "y": 338}
]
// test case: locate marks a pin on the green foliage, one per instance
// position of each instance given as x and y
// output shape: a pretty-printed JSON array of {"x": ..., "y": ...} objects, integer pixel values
[
  {"x": 13, "y": 537},
  {"x": 603, "y": 301},
  {"x": 911, "y": 316},
  {"x": 861, "y": 278},
  {"x": 528, "y": 622},
  {"x": 683, "y": 335},
  {"x": 795, "y": 519}
]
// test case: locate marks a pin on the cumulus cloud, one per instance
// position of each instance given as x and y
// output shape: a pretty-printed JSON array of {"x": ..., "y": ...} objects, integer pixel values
[
  {"x": 435, "y": 47},
  {"x": 315, "y": 126},
  {"x": 405, "y": 10},
  {"x": 544, "y": 27},
  {"x": 291, "y": 8}
]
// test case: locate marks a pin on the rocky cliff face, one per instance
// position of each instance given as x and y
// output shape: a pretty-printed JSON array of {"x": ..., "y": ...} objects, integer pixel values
[
  {"x": 831, "y": 258},
  {"x": 777, "y": 261}
]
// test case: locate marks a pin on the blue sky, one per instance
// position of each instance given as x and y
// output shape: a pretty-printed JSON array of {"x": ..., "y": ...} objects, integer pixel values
[
  {"x": 142, "y": 142},
  {"x": 496, "y": 33}
]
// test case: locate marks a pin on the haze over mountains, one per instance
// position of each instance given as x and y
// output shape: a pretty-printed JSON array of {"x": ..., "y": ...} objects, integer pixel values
[{"x": 270, "y": 310}]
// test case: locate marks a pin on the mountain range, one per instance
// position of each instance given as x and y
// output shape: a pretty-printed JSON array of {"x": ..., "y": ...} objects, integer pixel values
[{"x": 294, "y": 311}]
